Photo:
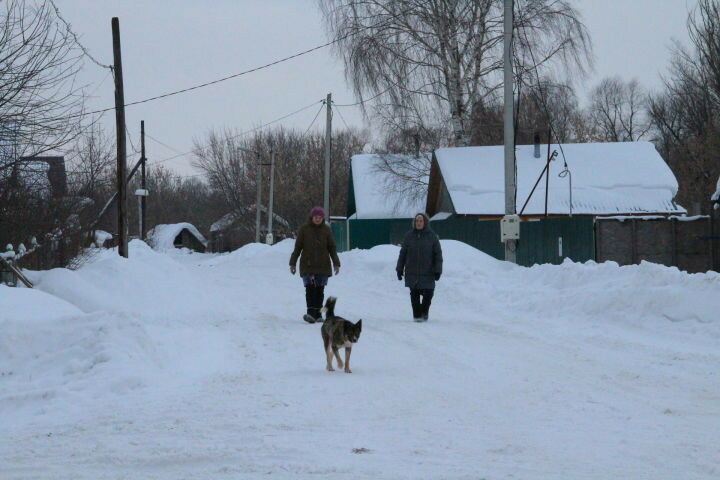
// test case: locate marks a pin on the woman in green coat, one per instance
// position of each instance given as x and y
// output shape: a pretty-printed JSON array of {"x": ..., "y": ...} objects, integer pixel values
[{"x": 315, "y": 246}]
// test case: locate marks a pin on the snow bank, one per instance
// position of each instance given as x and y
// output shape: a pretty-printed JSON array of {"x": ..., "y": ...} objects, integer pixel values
[{"x": 547, "y": 372}]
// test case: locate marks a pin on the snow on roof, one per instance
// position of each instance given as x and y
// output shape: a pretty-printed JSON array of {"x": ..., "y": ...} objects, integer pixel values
[
  {"x": 162, "y": 237},
  {"x": 375, "y": 196},
  {"x": 230, "y": 218},
  {"x": 607, "y": 179},
  {"x": 716, "y": 196}
]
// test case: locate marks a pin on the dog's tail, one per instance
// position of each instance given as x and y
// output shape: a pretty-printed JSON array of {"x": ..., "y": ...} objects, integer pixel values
[{"x": 329, "y": 308}]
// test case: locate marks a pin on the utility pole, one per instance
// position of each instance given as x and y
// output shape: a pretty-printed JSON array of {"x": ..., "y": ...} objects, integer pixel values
[
  {"x": 143, "y": 186},
  {"x": 328, "y": 138},
  {"x": 269, "y": 236},
  {"x": 510, "y": 224},
  {"x": 122, "y": 224},
  {"x": 258, "y": 179}
]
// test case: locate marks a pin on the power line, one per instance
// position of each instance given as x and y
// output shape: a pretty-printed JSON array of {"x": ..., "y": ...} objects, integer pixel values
[
  {"x": 343, "y": 119},
  {"x": 262, "y": 67},
  {"x": 241, "y": 133},
  {"x": 77, "y": 41},
  {"x": 322, "y": 104},
  {"x": 164, "y": 144},
  {"x": 229, "y": 77},
  {"x": 364, "y": 101}
]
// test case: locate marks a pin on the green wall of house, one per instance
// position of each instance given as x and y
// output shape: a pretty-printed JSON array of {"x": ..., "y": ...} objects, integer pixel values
[{"x": 541, "y": 241}]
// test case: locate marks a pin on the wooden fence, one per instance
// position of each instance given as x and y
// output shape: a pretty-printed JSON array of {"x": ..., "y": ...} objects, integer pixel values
[{"x": 689, "y": 243}]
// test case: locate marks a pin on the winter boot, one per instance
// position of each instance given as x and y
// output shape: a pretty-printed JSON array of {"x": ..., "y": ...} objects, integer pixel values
[
  {"x": 416, "y": 307},
  {"x": 425, "y": 306},
  {"x": 310, "y": 303},
  {"x": 319, "y": 297}
]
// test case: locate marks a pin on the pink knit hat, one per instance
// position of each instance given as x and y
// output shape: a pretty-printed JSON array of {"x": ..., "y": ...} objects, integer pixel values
[{"x": 317, "y": 211}]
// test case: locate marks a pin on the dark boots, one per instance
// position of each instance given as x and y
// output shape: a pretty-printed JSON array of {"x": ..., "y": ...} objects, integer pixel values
[
  {"x": 421, "y": 306},
  {"x": 314, "y": 296}
]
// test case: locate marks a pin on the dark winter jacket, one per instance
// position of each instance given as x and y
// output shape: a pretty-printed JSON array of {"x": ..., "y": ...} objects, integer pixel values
[
  {"x": 315, "y": 246},
  {"x": 420, "y": 257}
]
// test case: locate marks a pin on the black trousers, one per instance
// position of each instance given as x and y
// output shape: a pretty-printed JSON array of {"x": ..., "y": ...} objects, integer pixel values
[
  {"x": 314, "y": 296},
  {"x": 420, "y": 299}
]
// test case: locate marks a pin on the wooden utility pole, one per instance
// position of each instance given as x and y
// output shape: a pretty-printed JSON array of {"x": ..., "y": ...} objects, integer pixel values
[
  {"x": 122, "y": 204},
  {"x": 328, "y": 139},
  {"x": 258, "y": 180},
  {"x": 510, "y": 225},
  {"x": 269, "y": 237},
  {"x": 143, "y": 186}
]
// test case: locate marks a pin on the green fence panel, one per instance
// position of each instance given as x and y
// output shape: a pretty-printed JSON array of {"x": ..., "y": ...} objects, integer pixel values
[
  {"x": 547, "y": 240},
  {"x": 551, "y": 240},
  {"x": 481, "y": 234},
  {"x": 339, "y": 230}
]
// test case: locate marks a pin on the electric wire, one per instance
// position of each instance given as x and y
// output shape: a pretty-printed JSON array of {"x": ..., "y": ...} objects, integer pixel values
[
  {"x": 314, "y": 119},
  {"x": 343, "y": 119},
  {"x": 246, "y": 132},
  {"x": 76, "y": 39},
  {"x": 245, "y": 72}
]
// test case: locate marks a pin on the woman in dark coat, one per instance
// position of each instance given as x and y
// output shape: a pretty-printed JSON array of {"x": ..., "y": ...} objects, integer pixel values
[
  {"x": 315, "y": 246},
  {"x": 420, "y": 261}
]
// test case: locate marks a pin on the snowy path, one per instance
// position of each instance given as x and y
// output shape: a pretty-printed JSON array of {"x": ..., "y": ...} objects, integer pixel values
[{"x": 201, "y": 368}]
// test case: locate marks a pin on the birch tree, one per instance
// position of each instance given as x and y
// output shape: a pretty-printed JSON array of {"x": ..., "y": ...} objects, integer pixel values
[{"x": 430, "y": 62}]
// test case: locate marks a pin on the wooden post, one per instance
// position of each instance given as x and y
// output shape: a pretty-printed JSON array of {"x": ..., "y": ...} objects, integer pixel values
[
  {"x": 143, "y": 206},
  {"x": 328, "y": 151},
  {"x": 122, "y": 204}
]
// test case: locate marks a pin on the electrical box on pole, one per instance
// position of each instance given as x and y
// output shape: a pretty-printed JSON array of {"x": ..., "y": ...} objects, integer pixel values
[{"x": 509, "y": 228}]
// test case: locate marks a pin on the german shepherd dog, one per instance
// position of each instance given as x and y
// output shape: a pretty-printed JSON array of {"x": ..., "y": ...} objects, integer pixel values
[{"x": 338, "y": 333}]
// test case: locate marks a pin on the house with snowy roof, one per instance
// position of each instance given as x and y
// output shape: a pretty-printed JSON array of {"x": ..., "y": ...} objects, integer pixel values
[
  {"x": 235, "y": 229},
  {"x": 588, "y": 179},
  {"x": 176, "y": 235},
  {"x": 385, "y": 191},
  {"x": 560, "y": 201}
]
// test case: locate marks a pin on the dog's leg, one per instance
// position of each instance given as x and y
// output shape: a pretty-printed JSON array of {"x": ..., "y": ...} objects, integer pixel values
[
  {"x": 337, "y": 357},
  {"x": 329, "y": 355},
  {"x": 348, "y": 351}
]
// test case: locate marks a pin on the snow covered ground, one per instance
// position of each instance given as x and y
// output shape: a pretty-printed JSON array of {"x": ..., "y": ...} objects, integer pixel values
[{"x": 176, "y": 365}]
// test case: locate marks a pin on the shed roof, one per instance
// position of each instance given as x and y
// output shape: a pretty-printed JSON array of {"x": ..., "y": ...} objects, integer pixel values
[
  {"x": 162, "y": 237},
  {"x": 229, "y": 219},
  {"x": 375, "y": 193},
  {"x": 607, "y": 179}
]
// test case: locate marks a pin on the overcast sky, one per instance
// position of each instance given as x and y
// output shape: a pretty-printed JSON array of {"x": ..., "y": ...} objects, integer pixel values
[{"x": 173, "y": 44}]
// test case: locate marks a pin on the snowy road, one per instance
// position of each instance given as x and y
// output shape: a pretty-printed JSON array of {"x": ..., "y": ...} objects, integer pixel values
[{"x": 198, "y": 366}]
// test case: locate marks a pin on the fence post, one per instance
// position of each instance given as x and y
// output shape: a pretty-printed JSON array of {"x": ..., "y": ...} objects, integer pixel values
[
  {"x": 633, "y": 242},
  {"x": 673, "y": 222}
]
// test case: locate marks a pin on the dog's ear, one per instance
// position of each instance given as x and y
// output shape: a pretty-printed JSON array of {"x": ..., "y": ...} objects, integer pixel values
[{"x": 359, "y": 324}]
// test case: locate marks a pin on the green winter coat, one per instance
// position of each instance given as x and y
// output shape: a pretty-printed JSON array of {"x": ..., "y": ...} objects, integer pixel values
[{"x": 315, "y": 246}]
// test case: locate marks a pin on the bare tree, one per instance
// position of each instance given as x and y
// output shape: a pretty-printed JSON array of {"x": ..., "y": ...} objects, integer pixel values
[
  {"x": 41, "y": 107},
  {"x": 685, "y": 114},
  {"x": 431, "y": 62},
  {"x": 231, "y": 171},
  {"x": 91, "y": 165},
  {"x": 617, "y": 108},
  {"x": 40, "y": 99}
]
